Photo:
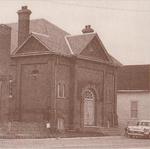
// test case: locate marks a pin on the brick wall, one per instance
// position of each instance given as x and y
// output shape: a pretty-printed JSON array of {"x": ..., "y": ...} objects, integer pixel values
[
  {"x": 102, "y": 79},
  {"x": 5, "y": 35},
  {"x": 62, "y": 72},
  {"x": 76, "y": 75},
  {"x": 30, "y": 95}
]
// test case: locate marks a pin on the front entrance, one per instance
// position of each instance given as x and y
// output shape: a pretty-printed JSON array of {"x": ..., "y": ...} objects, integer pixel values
[
  {"x": 89, "y": 108},
  {"x": 34, "y": 92}
]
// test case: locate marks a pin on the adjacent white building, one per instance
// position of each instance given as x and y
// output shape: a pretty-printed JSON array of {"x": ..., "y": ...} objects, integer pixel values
[{"x": 133, "y": 96}]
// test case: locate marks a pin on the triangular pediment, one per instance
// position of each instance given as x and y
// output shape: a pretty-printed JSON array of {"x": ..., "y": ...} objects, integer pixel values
[
  {"x": 31, "y": 46},
  {"x": 95, "y": 50}
]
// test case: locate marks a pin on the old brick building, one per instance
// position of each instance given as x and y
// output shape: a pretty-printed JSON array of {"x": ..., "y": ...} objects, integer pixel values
[{"x": 50, "y": 75}]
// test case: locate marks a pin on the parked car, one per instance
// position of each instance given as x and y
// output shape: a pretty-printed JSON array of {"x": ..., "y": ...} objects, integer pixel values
[{"x": 141, "y": 129}]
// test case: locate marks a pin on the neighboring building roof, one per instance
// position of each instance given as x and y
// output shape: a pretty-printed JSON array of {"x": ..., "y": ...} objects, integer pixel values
[{"x": 134, "y": 77}]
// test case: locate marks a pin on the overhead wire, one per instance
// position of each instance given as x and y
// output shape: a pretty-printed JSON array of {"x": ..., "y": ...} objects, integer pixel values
[{"x": 99, "y": 7}]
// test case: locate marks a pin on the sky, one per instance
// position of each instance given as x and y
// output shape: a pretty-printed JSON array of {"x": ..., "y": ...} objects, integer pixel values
[{"x": 122, "y": 25}]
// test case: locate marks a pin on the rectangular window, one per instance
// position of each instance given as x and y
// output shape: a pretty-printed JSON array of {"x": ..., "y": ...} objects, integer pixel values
[
  {"x": 60, "y": 124},
  {"x": 63, "y": 90},
  {"x": 109, "y": 95},
  {"x": 0, "y": 88},
  {"x": 10, "y": 88},
  {"x": 60, "y": 90},
  {"x": 134, "y": 109}
]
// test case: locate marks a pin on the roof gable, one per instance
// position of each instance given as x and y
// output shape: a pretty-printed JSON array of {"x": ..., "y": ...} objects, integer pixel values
[
  {"x": 78, "y": 43},
  {"x": 55, "y": 40},
  {"x": 58, "y": 41},
  {"x": 94, "y": 49},
  {"x": 32, "y": 46},
  {"x": 88, "y": 45}
]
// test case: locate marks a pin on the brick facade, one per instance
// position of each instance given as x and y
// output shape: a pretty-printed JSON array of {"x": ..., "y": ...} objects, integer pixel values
[
  {"x": 47, "y": 84},
  {"x": 37, "y": 96}
]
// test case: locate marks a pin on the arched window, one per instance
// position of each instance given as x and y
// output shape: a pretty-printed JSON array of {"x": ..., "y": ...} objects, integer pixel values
[{"x": 88, "y": 95}]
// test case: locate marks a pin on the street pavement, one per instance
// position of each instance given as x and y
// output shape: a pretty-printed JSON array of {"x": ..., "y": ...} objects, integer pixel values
[{"x": 115, "y": 142}]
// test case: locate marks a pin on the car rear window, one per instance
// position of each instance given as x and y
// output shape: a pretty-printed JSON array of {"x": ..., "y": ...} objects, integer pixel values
[{"x": 144, "y": 123}]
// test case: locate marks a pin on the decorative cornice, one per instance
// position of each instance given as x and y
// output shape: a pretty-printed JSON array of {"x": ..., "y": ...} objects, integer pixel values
[
  {"x": 95, "y": 60},
  {"x": 31, "y": 54}
]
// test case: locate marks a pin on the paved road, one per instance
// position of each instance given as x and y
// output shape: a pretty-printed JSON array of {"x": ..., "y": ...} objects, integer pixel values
[{"x": 76, "y": 143}]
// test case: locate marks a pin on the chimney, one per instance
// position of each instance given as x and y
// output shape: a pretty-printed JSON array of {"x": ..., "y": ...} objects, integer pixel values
[
  {"x": 87, "y": 29},
  {"x": 23, "y": 24}
]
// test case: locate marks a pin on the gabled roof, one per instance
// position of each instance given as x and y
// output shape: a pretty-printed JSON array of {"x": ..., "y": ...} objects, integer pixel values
[
  {"x": 42, "y": 27},
  {"x": 79, "y": 42},
  {"x": 38, "y": 38},
  {"x": 134, "y": 77},
  {"x": 115, "y": 61},
  {"x": 56, "y": 40}
]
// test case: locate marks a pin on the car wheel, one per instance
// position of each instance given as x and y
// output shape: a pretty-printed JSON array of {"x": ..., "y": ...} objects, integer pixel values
[
  {"x": 146, "y": 136},
  {"x": 133, "y": 136},
  {"x": 130, "y": 136}
]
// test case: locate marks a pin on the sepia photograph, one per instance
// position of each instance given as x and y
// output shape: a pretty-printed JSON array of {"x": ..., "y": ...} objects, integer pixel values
[{"x": 74, "y": 74}]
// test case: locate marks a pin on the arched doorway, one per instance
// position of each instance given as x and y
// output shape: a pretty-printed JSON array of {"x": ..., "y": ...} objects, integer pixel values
[{"x": 89, "y": 107}]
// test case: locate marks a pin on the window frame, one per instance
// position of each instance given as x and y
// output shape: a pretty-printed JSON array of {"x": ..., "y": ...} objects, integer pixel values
[
  {"x": 60, "y": 124},
  {"x": 61, "y": 90},
  {"x": 134, "y": 109}
]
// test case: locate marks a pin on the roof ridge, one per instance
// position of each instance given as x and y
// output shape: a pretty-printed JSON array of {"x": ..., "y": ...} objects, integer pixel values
[
  {"x": 40, "y": 34},
  {"x": 7, "y": 23},
  {"x": 42, "y": 19},
  {"x": 55, "y": 26},
  {"x": 81, "y": 34}
]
